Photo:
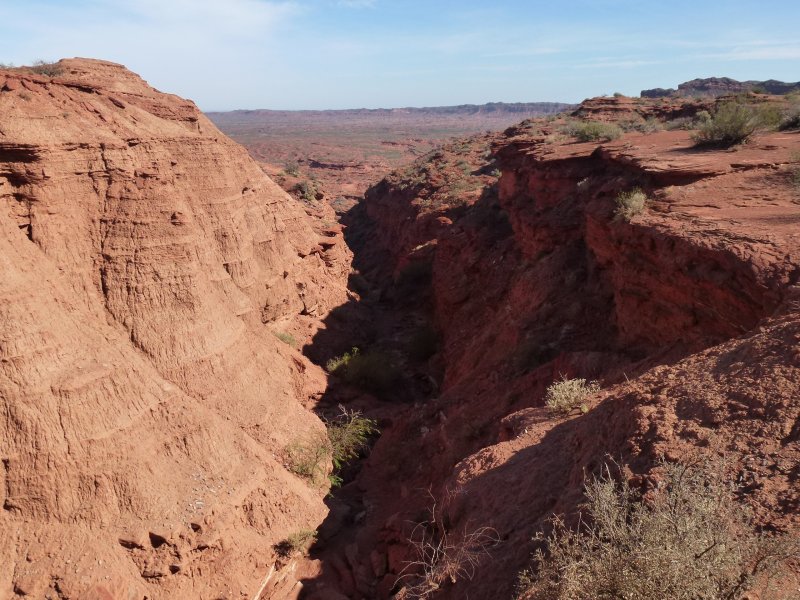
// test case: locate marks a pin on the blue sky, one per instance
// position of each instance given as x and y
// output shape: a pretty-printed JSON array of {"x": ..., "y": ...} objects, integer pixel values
[{"x": 314, "y": 54}]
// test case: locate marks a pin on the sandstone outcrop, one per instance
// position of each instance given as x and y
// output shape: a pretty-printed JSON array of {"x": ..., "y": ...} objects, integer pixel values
[
  {"x": 687, "y": 315},
  {"x": 722, "y": 86},
  {"x": 146, "y": 263}
]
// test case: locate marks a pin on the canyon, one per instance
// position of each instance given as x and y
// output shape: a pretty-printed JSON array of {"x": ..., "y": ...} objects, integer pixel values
[{"x": 167, "y": 311}]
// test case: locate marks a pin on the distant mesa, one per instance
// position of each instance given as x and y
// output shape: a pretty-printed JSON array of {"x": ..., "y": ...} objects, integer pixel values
[{"x": 721, "y": 86}]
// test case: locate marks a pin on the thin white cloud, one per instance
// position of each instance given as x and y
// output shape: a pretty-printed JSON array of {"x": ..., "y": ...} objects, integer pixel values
[{"x": 356, "y": 3}]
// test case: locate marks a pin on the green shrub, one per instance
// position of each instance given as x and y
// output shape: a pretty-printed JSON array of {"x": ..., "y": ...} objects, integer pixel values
[
  {"x": 340, "y": 362},
  {"x": 307, "y": 190},
  {"x": 768, "y": 116},
  {"x": 791, "y": 118},
  {"x": 347, "y": 435},
  {"x": 649, "y": 125},
  {"x": 593, "y": 131},
  {"x": 732, "y": 123},
  {"x": 309, "y": 460},
  {"x": 690, "y": 540},
  {"x": 630, "y": 204},
  {"x": 682, "y": 123},
  {"x": 562, "y": 396}
]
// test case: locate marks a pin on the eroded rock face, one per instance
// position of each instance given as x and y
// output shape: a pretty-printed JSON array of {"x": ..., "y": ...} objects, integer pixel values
[
  {"x": 687, "y": 314},
  {"x": 146, "y": 402}
]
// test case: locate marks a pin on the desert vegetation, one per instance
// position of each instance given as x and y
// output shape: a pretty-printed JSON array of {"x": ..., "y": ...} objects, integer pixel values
[
  {"x": 441, "y": 555},
  {"x": 346, "y": 436},
  {"x": 567, "y": 394},
  {"x": 373, "y": 370},
  {"x": 735, "y": 121},
  {"x": 592, "y": 131},
  {"x": 688, "y": 539},
  {"x": 287, "y": 338},
  {"x": 39, "y": 67},
  {"x": 630, "y": 204},
  {"x": 296, "y": 543}
]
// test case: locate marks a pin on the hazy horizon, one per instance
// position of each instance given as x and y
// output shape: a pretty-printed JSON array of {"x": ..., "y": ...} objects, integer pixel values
[{"x": 351, "y": 54}]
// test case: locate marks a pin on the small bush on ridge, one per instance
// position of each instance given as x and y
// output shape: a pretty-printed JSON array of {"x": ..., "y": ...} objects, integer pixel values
[
  {"x": 732, "y": 123},
  {"x": 562, "y": 396},
  {"x": 630, "y": 204},
  {"x": 593, "y": 131}
]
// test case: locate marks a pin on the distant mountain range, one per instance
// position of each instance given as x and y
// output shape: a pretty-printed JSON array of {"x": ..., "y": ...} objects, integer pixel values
[
  {"x": 720, "y": 86},
  {"x": 491, "y": 108}
]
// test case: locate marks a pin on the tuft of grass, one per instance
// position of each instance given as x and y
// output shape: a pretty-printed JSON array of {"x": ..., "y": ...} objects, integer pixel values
[
  {"x": 593, "y": 131},
  {"x": 286, "y": 338},
  {"x": 565, "y": 395},
  {"x": 340, "y": 362},
  {"x": 296, "y": 543},
  {"x": 690, "y": 540},
  {"x": 630, "y": 204}
]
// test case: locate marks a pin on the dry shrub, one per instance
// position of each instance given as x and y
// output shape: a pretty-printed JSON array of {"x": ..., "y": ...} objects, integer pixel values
[
  {"x": 567, "y": 394},
  {"x": 630, "y": 204},
  {"x": 688, "y": 540},
  {"x": 732, "y": 123},
  {"x": 442, "y": 556},
  {"x": 593, "y": 131}
]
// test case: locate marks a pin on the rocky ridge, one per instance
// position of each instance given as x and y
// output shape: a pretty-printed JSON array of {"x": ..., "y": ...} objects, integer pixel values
[
  {"x": 147, "y": 261},
  {"x": 721, "y": 86},
  {"x": 687, "y": 316}
]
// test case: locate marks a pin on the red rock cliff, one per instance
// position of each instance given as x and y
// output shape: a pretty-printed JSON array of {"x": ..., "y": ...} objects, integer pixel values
[
  {"x": 687, "y": 314},
  {"x": 145, "y": 402}
]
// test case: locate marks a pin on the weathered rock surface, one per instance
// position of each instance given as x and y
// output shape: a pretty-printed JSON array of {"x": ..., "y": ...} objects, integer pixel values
[
  {"x": 146, "y": 261},
  {"x": 687, "y": 315}
]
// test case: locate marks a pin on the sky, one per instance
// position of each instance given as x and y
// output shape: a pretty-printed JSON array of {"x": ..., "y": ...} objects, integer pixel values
[{"x": 332, "y": 54}]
